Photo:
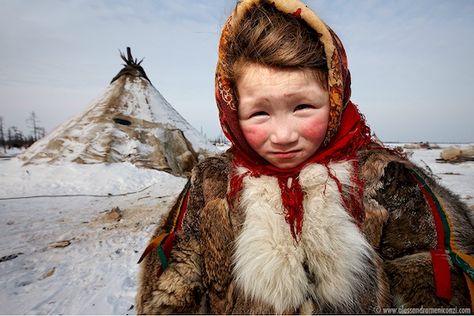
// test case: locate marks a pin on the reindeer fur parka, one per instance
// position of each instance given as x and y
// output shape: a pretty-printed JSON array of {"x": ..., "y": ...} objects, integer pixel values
[
  {"x": 243, "y": 260},
  {"x": 240, "y": 257}
]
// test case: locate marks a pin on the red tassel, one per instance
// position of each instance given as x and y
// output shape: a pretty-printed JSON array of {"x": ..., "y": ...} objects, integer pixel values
[{"x": 292, "y": 198}]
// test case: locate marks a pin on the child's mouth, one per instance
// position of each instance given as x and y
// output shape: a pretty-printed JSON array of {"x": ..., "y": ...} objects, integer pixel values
[{"x": 286, "y": 154}]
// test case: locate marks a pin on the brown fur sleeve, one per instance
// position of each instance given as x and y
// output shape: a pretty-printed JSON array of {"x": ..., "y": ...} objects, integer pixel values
[
  {"x": 405, "y": 233},
  {"x": 398, "y": 219},
  {"x": 180, "y": 288},
  {"x": 410, "y": 227},
  {"x": 376, "y": 215}
]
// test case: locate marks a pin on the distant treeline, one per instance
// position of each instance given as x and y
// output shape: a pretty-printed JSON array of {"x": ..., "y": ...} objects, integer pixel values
[{"x": 12, "y": 137}]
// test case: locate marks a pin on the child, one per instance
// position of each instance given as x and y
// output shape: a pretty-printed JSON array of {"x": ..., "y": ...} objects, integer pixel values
[{"x": 305, "y": 213}]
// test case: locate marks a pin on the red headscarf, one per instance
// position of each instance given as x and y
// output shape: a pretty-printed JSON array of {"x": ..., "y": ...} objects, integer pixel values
[{"x": 347, "y": 132}]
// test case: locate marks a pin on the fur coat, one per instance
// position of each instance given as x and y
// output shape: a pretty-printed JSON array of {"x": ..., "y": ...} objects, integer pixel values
[{"x": 242, "y": 259}]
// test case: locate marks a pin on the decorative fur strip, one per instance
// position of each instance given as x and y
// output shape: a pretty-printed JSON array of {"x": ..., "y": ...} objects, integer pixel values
[
  {"x": 164, "y": 242},
  {"x": 445, "y": 244}
]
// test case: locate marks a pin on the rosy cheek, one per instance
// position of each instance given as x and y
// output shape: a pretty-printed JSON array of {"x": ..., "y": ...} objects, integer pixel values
[
  {"x": 314, "y": 128},
  {"x": 255, "y": 135}
]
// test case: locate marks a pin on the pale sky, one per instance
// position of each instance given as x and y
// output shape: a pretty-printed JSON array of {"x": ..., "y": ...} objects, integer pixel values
[{"x": 411, "y": 61}]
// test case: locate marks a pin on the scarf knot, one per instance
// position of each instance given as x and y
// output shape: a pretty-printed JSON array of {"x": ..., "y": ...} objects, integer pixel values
[{"x": 291, "y": 195}]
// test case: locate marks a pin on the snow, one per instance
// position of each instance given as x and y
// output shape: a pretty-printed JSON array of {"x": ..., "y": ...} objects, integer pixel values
[
  {"x": 97, "y": 272},
  {"x": 72, "y": 178},
  {"x": 10, "y": 152},
  {"x": 459, "y": 178}
]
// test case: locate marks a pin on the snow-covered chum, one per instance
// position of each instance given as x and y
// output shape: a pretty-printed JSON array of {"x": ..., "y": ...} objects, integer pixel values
[
  {"x": 305, "y": 213},
  {"x": 129, "y": 122}
]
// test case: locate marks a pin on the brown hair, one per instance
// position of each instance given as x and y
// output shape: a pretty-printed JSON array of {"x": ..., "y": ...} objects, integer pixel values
[{"x": 272, "y": 38}]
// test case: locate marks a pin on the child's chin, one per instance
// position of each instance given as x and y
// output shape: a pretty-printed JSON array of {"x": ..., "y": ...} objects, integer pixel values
[{"x": 285, "y": 164}]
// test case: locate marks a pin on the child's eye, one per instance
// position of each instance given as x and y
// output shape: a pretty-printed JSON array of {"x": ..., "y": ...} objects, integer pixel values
[
  {"x": 303, "y": 107},
  {"x": 260, "y": 113}
]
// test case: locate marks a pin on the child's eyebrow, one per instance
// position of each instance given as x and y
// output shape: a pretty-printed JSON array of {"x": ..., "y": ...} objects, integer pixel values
[
  {"x": 291, "y": 94},
  {"x": 255, "y": 100},
  {"x": 307, "y": 94}
]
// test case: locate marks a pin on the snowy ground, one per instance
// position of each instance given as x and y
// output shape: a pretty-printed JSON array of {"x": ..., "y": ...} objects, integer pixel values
[
  {"x": 94, "y": 274},
  {"x": 64, "y": 255},
  {"x": 459, "y": 177}
]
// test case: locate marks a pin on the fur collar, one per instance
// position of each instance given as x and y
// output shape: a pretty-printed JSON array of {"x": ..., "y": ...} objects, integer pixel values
[{"x": 329, "y": 263}]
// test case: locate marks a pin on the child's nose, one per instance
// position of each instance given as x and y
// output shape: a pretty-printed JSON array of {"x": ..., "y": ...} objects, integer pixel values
[{"x": 283, "y": 134}]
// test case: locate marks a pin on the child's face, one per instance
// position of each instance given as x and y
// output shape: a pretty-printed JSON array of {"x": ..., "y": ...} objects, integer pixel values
[{"x": 283, "y": 113}]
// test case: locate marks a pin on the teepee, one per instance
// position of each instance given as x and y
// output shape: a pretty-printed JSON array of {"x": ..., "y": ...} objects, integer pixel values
[{"x": 130, "y": 122}]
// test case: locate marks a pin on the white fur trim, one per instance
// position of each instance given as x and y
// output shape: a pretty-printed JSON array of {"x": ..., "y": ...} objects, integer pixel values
[
  {"x": 335, "y": 248},
  {"x": 269, "y": 264},
  {"x": 241, "y": 170}
]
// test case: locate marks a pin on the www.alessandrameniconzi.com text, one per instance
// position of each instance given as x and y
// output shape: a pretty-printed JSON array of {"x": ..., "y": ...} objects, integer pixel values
[{"x": 424, "y": 310}]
